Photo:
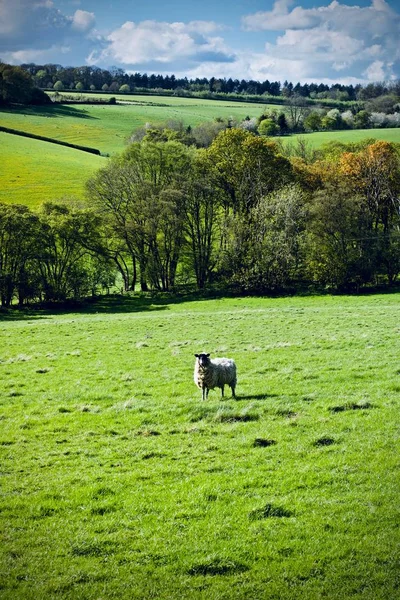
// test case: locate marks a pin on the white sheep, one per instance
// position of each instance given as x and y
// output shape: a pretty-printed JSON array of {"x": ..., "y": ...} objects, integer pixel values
[{"x": 210, "y": 373}]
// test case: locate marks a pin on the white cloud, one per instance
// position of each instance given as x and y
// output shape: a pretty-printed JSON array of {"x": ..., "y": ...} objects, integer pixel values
[
  {"x": 337, "y": 37},
  {"x": 38, "y": 25},
  {"x": 375, "y": 71},
  {"x": 33, "y": 55},
  {"x": 163, "y": 43},
  {"x": 83, "y": 20}
]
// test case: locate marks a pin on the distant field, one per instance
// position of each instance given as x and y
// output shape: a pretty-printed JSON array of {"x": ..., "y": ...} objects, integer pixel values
[
  {"x": 32, "y": 171},
  {"x": 319, "y": 138},
  {"x": 118, "y": 481},
  {"x": 108, "y": 127}
]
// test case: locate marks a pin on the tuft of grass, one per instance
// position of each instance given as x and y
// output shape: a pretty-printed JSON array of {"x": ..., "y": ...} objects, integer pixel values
[
  {"x": 217, "y": 566},
  {"x": 269, "y": 510},
  {"x": 351, "y": 406}
]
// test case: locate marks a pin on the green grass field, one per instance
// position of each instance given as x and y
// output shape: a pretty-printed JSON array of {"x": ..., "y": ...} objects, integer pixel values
[
  {"x": 108, "y": 127},
  {"x": 320, "y": 138},
  {"x": 120, "y": 482},
  {"x": 33, "y": 171}
]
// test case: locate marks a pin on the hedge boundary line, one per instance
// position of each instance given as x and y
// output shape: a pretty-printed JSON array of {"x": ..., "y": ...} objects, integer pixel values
[{"x": 42, "y": 138}]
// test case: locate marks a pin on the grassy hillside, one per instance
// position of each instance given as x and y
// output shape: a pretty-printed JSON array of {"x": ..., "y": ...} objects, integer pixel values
[
  {"x": 33, "y": 171},
  {"x": 317, "y": 139},
  {"x": 107, "y": 127},
  {"x": 119, "y": 482}
]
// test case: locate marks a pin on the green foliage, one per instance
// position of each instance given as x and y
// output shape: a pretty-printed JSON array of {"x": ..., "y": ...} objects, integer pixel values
[
  {"x": 268, "y": 127},
  {"x": 118, "y": 481},
  {"x": 17, "y": 86}
]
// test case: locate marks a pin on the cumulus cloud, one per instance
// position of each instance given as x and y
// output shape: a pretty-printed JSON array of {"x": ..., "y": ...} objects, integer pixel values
[
  {"x": 27, "y": 25},
  {"x": 83, "y": 20},
  {"x": 337, "y": 36},
  {"x": 155, "y": 42}
]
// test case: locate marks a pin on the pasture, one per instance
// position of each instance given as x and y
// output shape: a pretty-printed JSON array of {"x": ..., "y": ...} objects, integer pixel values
[
  {"x": 107, "y": 127},
  {"x": 33, "y": 171},
  {"x": 119, "y": 482},
  {"x": 319, "y": 138}
]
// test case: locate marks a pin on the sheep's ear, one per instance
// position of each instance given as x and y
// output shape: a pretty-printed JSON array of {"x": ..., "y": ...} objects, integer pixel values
[
  {"x": 196, "y": 355},
  {"x": 208, "y": 354}
]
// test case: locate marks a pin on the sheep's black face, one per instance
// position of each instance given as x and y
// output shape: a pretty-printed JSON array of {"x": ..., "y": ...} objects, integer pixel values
[{"x": 203, "y": 359}]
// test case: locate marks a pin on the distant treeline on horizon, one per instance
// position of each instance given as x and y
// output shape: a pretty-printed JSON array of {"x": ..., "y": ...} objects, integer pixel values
[{"x": 95, "y": 78}]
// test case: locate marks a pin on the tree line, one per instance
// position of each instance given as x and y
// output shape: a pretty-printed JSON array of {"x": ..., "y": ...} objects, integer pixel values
[
  {"x": 112, "y": 79},
  {"x": 237, "y": 215}
]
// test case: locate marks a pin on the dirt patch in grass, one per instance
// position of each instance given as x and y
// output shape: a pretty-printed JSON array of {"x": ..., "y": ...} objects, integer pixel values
[
  {"x": 263, "y": 442},
  {"x": 324, "y": 441}
]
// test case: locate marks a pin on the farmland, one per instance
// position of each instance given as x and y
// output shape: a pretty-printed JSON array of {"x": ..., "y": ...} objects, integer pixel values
[
  {"x": 119, "y": 482},
  {"x": 107, "y": 127},
  {"x": 32, "y": 172}
]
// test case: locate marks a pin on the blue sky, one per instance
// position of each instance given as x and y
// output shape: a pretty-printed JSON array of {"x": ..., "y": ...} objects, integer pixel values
[{"x": 331, "y": 41}]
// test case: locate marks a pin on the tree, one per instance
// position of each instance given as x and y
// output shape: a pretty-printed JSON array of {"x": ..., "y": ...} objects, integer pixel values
[
  {"x": 313, "y": 121},
  {"x": 245, "y": 167},
  {"x": 362, "y": 119},
  {"x": 269, "y": 253},
  {"x": 339, "y": 250},
  {"x": 297, "y": 111},
  {"x": 140, "y": 195},
  {"x": 374, "y": 173},
  {"x": 16, "y": 85},
  {"x": 20, "y": 238},
  {"x": 202, "y": 223},
  {"x": 58, "y": 86},
  {"x": 65, "y": 250},
  {"x": 125, "y": 88},
  {"x": 79, "y": 86},
  {"x": 268, "y": 127}
]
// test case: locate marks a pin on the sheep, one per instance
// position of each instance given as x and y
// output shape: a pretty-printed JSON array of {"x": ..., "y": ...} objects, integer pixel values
[{"x": 210, "y": 373}]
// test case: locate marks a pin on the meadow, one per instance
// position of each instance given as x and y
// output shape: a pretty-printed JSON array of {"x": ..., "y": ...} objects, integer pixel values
[
  {"x": 120, "y": 482},
  {"x": 107, "y": 127},
  {"x": 33, "y": 171},
  {"x": 319, "y": 138}
]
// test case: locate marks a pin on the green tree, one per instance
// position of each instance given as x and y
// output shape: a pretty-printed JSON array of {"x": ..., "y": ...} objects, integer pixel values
[
  {"x": 16, "y": 84},
  {"x": 312, "y": 121},
  {"x": 269, "y": 254},
  {"x": 268, "y": 127},
  {"x": 245, "y": 167},
  {"x": 58, "y": 86},
  {"x": 20, "y": 235},
  {"x": 67, "y": 235},
  {"x": 140, "y": 194}
]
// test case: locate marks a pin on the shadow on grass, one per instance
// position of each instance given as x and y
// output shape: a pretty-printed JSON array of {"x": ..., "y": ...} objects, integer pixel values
[
  {"x": 112, "y": 304},
  {"x": 54, "y": 111},
  {"x": 255, "y": 396}
]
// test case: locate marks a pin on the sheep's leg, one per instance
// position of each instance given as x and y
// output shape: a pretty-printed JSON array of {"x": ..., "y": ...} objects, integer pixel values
[
  {"x": 233, "y": 391},
  {"x": 204, "y": 393},
  {"x": 222, "y": 391}
]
